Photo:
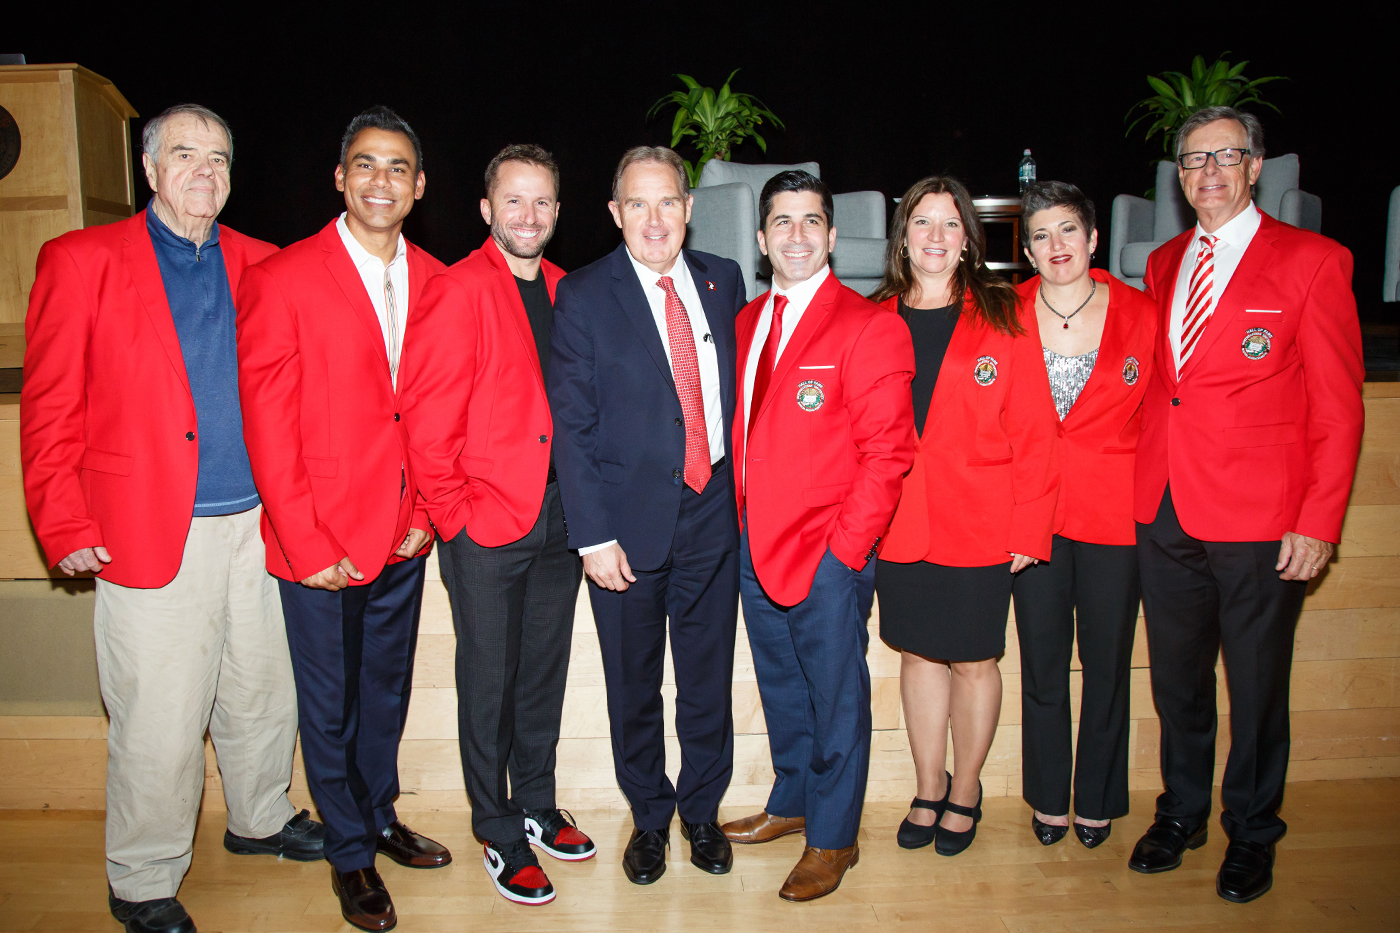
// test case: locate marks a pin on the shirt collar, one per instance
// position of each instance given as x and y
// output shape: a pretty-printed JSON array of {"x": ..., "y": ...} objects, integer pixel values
[
  {"x": 1238, "y": 230},
  {"x": 163, "y": 235},
  {"x": 802, "y": 292},
  {"x": 359, "y": 255},
  {"x": 680, "y": 272}
]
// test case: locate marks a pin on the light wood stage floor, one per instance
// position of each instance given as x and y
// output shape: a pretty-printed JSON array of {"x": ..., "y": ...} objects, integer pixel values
[{"x": 1338, "y": 869}]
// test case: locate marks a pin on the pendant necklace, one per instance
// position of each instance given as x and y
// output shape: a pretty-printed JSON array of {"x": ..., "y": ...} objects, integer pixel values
[{"x": 1065, "y": 317}]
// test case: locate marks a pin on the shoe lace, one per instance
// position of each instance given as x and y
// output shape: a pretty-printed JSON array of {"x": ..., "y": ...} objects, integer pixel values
[
  {"x": 518, "y": 856},
  {"x": 553, "y": 820}
]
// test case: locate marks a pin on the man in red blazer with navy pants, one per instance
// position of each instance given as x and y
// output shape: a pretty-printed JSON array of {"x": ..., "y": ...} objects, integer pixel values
[
  {"x": 480, "y": 435},
  {"x": 135, "y": 470},
  {"x": 823, "y": 438},
  {"x": 320, "y": 327},
  {"x": 1251, "y": 428}
]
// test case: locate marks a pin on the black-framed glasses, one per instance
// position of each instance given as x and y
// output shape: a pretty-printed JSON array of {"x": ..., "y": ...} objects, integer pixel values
[{"x": 1223, "y": 158}]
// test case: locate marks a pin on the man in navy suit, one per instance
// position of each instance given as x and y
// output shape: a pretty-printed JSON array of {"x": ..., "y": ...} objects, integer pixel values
[{"x": 641, "y": 384}]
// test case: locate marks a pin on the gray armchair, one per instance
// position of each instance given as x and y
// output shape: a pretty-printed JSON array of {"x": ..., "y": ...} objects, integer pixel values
[
  {"x": 724, "y": 221},
  {"x": 1392, "y": 249},
  {"x": 1138, "y": 226}
]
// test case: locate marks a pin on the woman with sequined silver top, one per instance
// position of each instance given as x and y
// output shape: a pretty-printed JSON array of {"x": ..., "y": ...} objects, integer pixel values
[{"x": 1096, "y": 334}]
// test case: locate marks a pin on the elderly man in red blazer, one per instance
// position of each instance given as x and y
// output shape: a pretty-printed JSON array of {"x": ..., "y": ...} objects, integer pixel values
[
  {"x": 1250, "y": 432},
  {"x": 135, "y": 469},
  {"x": 479, "y": 431},
  {"x": 824, "y": 435},
  {"x": 320, "y": 327}
]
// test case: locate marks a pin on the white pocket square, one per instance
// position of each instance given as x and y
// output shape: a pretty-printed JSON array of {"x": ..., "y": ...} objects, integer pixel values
[
  {"x": 831, "y": 366},
  {"x": 1260, "y": 311}
]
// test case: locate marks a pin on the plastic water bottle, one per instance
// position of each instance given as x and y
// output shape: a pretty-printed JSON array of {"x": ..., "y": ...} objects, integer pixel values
[{"x": 1026, "y": 171}]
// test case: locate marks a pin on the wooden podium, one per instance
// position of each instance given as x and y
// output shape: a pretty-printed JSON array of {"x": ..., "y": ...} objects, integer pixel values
[{"x": 74, "y": 169}]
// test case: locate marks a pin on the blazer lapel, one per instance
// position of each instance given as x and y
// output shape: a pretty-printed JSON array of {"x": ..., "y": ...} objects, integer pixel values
[
  {"x": 1115, "y": 334},
  {"x": 627, "y": 288},
  {"x": 1173, "y": 253},
  {"x": 1258, "y": 256},
  {"x": 716, "y": 316},
  {"x": 807, "y": 328},
  {"x": 139, "y": 255},
  {"x": 343, "y": 270},
  {"x": 515, "y": 306},
  {"x": 957, "y": 364}
]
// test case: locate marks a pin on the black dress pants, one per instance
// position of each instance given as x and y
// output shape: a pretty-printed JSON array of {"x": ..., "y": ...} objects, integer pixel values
[
  {"x": 513, "y": 612},
  {"x": 1091, "y": 589},
  {"x": 1203, "y": 598}
]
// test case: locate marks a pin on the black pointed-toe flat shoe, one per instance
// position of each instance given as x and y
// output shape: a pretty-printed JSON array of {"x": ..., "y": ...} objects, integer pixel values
[
  {"x": 913, "y": 836},
  {"x": 1091, "y": 837},
  {"x": 1247, "y": 872},
  {"x": 1047, "y": 833},
  {"x": 949, "y": 842}
]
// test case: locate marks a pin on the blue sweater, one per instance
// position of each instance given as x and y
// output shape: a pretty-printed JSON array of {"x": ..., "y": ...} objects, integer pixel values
[{"x": 197, "y": 289}]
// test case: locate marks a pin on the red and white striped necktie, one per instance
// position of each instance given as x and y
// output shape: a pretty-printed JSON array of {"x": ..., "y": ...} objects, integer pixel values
[
  {"x": 685, "y": 367},
  {"x": 1200, "y": 299}
]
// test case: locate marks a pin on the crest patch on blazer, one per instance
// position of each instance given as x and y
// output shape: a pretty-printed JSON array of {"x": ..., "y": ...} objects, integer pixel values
[
  {"x": 1258, "y": 341},
  {"x": 985, "y": 370},
  {"x": 1132, "y": 369},
  {"x": 810, "y": 395}
]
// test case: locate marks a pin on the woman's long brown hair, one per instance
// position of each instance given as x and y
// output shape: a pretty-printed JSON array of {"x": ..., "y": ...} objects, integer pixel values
[{"x": 993, "y": 299}]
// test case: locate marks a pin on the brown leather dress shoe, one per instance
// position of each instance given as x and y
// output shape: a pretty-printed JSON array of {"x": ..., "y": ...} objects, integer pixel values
[
  {"x": 761, "y": 827},
  {"x": 409, "y": 849},
  {"x": 364, "y": 901},
  {"x": 818, "y": 873}
]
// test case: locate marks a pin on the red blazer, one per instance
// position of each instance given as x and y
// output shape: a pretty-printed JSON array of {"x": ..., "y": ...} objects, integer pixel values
[
  {"x": 1099, "y": 435},
  {"x": 829, "y": 442},
  {"x": 473, "y": 400},
  {"x": 1257, "y": 444},
  {"x": 107, "y": 421},
  {"x": 320, "y": 415},
  {"x": 984, "y": 480}
]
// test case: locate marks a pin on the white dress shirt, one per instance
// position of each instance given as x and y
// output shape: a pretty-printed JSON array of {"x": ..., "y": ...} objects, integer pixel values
[
  {"x": 799, "y": 297},
  {"x": 1233, "y": 238},
  {"x": 706, "y": 353},
  {"x": 371, "y": 269}
]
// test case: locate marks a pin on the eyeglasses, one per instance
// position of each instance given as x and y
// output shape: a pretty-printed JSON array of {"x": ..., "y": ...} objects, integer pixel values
[{"x": 1223, "y": 158}]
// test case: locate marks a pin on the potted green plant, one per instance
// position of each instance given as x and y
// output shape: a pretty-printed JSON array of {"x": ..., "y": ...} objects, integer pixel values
[
  {"x": 1180, "y": 95},
  {"x": 718, "y": 121}
]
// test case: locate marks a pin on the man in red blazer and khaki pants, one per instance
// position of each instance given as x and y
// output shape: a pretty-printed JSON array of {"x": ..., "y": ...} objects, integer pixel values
[
  {"x": 824, "y": 436},
  {"x": 1250, "y": 432},
  {"x": 320, "y": 326},
  {"x": 135, "y": 470}
]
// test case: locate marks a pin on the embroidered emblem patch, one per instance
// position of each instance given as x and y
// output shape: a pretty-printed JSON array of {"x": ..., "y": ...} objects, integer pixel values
[
  {"x": 1258, "y": 341},
  {"x": 810, "y": 395},
  {"x": 1131, "y": 370},
  {"x": 985, "y": 371}
]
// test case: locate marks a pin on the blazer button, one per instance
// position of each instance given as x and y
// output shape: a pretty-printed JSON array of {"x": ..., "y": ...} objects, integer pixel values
[
  {"x": 1176, "y": 401},
  {"x": 396, "y": 416},
  {"x": 544, "y": 438},
  {"x": 675, "y": 474},
  {"x": 189, "y": 435},
  {"x": 680, "y": 423}
]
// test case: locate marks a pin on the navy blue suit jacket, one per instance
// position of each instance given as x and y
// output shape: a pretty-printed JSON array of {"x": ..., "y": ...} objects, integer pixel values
[{"x": 619, "y": 443}]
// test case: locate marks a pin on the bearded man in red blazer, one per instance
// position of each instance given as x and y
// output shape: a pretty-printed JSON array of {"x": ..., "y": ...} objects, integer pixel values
[
  {"x": 824, "y": 436},
  {"x": 135, "y": 470},
  {"x": 320, "y": 327},
  {"x": 480, "y": 433},
  {"x": 1251, "y": 428}
]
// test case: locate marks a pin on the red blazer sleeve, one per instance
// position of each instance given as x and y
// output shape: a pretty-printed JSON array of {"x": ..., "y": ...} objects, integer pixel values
[
  {"x": 1329, "y": 341},
  {"x": 876, "y": 380},
  {"x": 1031, "y": 427},
  {"x": 269, "y": 388},
  {"x": 437, "y": 372},
  {"x": 53, "y": 404}
]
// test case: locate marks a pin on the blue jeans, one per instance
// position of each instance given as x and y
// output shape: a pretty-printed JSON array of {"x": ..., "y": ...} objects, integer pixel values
[{"x": 815, "y": 687}]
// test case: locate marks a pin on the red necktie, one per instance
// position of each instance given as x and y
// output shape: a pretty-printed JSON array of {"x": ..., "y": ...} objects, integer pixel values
[
  {"x": 685, "y": 367},
  {"x": 1200, "y": 299},
  {"x": 768, "y": 359}
]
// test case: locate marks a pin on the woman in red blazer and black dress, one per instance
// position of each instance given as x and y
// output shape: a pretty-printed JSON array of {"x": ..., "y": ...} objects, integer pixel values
[
  {"x": 976, "y": 507},
  {"x": 1096, "y": 333}
]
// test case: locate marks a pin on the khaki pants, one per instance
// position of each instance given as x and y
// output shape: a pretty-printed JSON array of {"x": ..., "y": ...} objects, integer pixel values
[{"x": 207, "y": 651}]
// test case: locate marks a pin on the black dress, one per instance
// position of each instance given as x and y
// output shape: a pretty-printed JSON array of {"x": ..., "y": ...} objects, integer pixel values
[{"x": 947, "y": 613}]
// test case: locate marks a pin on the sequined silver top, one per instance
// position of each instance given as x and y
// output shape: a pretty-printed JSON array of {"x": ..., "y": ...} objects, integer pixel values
[{"x": 1067, "y": 377}]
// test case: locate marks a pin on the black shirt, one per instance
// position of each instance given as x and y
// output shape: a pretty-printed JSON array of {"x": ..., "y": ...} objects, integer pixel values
[
  {"x": 932, "y": 330},
  {"x": 538, "y": 308}
]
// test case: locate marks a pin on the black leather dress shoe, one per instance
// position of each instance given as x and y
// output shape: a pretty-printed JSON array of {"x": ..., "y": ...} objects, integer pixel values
[
  {"x": 1247, "y": 872},
  {"x": 302, "y": 839},
  {"x": 410, "y": 849},
  {"x": 1161, "y": 847},
  {"x": 1047, "y": 834},
  {"x": 645, "y": 858},
  {"x": 364, "y": 901},
  {"x": 709, "y": 850},
  {"x": 162, "y": 915},
  {"x": 1091, "y": 837}
]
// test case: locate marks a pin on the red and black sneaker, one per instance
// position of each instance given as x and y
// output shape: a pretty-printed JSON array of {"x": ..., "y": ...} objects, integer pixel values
[
  {"x": 556, "y": 832},
  {"x": 517, "y": 874}
]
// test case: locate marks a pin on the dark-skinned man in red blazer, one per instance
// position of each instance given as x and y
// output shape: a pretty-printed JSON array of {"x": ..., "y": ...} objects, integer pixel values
[
  {"x": 1251, "y": 428},
  {"x": 480, "y": 434},
  {"x": 824, "y": 435},
  {"x": 320, "y": 327},
  {"x": 135, "y": 470}
]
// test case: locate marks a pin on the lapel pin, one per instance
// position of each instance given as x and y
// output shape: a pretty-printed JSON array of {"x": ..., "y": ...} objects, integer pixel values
[{"x": 711, "y": 284}]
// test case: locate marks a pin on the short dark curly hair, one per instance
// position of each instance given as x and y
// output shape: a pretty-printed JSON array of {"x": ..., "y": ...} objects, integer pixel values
[{"x": 381, "y": 118}]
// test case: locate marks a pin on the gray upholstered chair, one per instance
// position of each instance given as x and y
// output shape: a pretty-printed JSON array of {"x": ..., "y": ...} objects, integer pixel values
[
  {"x": 1138, "y": 226},
  {"x": 725, "y": 219},
  {"x": 1392, "y": 249}
]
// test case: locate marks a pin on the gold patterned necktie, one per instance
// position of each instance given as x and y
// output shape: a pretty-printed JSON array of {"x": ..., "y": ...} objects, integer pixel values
[{"x": 391, "y": 312}]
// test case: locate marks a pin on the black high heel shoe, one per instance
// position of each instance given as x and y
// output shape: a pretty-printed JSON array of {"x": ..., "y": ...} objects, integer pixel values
[
  {"x": 1093, "y": 836},
  {"x": 949, "y": 842},
  {"x": 912, "y": 835},
  {"x": 1047, "y": 833}
]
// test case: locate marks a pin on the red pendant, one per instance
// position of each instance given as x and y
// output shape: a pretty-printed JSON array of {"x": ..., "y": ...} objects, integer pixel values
[{"x": 1066, "y": 325}]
